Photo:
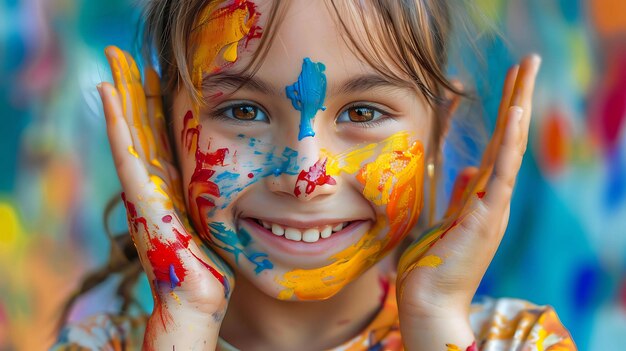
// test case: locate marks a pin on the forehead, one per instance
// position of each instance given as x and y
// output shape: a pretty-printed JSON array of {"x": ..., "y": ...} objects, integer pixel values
[{"x": 302, "y": 29}]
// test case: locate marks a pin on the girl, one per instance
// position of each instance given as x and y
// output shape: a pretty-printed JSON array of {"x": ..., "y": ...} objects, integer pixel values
[{"x": 269, "y": 200}]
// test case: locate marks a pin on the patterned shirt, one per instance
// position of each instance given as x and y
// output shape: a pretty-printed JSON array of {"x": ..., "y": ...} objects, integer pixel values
[{"x": 498, "y": 324}]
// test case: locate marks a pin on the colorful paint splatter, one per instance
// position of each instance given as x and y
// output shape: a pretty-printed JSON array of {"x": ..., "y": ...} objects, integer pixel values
[{"x": 307, "y": 95}]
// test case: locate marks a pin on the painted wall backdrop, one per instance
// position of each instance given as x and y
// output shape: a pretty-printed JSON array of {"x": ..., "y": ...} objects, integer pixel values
[{"x": 566, "y": 242}]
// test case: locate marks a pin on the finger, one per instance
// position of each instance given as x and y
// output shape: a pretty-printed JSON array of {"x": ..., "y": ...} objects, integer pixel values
[
  {"x": 145, "y": 126},
  {"x": 477, "y": 184},
  {"x": 133, "y": 103},
  {"x": 130, "y": 169},
  {"x": 505, "y": 103},
  {"x": 525, "y": 83},
  {"x": 152, "y": 88},
  {"x": 508, "y": 161}
]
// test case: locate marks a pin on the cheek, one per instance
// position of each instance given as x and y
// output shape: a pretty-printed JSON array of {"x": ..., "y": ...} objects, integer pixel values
[{"x": 395, "y": 181}]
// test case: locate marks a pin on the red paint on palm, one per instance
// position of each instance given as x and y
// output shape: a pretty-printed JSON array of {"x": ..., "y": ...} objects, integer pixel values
[
  {"x": 163, "y": 254},
  {"x": 309, "y": 180},
  {"x": 133, "y": 219}
]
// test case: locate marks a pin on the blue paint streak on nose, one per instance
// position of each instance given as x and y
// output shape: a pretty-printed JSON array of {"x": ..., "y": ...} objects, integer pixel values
[{"x": 307, "y": 95}]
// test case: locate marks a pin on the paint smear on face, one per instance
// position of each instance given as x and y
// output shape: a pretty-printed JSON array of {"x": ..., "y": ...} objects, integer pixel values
[
  {"x": 309, "y": 180},
  {"x": 220, "y": 31},
  {"x": 307, "y": 95},
  {"x": 217, "y": 177},
  {"x": 230, "y": 241},
  {"x": 398, "y": 169}
]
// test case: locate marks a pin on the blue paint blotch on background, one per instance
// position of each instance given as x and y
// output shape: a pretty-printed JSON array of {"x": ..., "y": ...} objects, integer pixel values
[
  {"x": 174, "y": 281},
  {"x": 586, "y": 284},
  {"x": 615, "y": 190},
  {"x": 307, "y": 95}
]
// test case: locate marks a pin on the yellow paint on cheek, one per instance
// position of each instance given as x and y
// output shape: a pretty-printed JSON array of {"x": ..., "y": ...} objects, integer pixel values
[
  {"x": 453, "y": 347},
  {"x": 429, "y": 261},
  {"x": 322, "y": 283},
  {"x": 394, "y": 180}
]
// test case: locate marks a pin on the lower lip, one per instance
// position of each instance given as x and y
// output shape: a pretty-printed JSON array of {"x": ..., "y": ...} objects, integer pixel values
[{"x": 331, "y": 245}]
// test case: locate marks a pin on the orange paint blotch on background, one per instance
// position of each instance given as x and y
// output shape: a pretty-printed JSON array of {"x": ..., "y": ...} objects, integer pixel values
[{"x": 554, "y": 142}]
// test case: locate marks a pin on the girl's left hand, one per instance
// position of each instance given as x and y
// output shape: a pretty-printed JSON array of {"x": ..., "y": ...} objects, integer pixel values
[{"x": 439, "y": 274}]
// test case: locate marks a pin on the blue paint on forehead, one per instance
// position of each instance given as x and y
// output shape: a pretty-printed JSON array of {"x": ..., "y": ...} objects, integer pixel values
[{"x": 307, "y": 95}]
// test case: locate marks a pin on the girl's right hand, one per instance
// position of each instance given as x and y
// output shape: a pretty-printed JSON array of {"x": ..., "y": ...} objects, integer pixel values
[{"x": 190, "y": 286}]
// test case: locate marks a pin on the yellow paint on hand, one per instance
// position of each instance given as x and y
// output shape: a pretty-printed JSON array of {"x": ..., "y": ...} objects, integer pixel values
[
  {"x": 128, "y": 83},
  {"x": 159, "y": 187},
  {"x": 453, "y": 347},
  {"x": 429, "y": 261},
  {"x": 132, "y": 151},
  {"x": 173, "y": 294}
]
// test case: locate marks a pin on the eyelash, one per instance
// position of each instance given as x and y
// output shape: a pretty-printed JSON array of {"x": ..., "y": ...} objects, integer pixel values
[
  {"x": 385, "y": 116},
  {"x": 220, "y": 114}
]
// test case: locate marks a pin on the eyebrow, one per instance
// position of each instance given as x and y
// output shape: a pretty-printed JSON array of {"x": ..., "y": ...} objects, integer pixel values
[{"x": 234, "y": 81}]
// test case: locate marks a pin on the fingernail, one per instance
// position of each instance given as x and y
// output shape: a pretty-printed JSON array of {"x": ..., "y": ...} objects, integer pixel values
[
  {"x": 537, "y": 61},
  {"x": 99, "y": 87},
  {"x": 517, "y": 113}
]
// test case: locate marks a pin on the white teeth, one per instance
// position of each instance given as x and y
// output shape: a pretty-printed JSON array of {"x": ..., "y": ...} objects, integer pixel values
[
  {"x": 293, "y": 234},
  {"x": 277, "y": 229},
  {"x": 325, "y": 233},
  {"x": 311, "y": 235},
  {"x": 338, "y": 227}
]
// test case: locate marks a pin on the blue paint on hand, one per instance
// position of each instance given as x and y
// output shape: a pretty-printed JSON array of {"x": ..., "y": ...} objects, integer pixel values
[
  {"x": 307, "y": 95},
  {"x": 174, "y": 281}
]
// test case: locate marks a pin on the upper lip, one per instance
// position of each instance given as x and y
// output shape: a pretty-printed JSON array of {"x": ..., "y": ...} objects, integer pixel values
[{"x": 296, "y": 223}]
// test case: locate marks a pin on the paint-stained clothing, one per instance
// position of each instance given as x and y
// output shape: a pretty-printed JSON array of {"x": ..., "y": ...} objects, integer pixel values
[{"x": 499, "y": 324}]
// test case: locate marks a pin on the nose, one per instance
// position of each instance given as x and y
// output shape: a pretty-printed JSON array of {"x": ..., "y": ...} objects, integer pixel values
[{"x": 311, "y": 181}]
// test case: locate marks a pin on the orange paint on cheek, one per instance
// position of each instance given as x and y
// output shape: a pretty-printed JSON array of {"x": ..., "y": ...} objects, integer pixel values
[{"x": 393, "y": 179}]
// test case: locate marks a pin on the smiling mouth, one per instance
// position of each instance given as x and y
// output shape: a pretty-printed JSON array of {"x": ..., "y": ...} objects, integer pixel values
[{"x": 307, "y": 235}]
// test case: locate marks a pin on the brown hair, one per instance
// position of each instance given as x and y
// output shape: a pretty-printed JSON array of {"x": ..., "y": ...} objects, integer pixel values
[{"x": 412, "y": 32}]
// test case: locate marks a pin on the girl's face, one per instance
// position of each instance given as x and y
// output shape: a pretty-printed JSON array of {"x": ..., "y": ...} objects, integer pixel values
[{"x": 312, "y": 171}]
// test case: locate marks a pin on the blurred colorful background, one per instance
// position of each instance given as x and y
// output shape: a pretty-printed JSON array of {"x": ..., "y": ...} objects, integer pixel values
[{"x": 566, "y": 242}]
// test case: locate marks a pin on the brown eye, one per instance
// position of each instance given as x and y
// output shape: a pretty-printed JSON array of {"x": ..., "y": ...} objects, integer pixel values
[
  {"x": 245, "y": 112},
  {"x": 361, "y": 114}
]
